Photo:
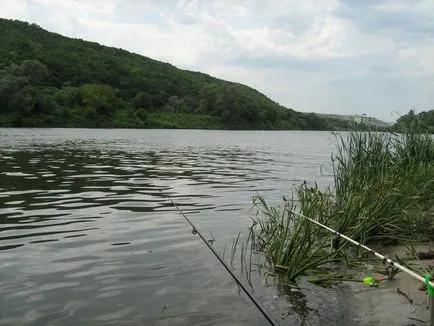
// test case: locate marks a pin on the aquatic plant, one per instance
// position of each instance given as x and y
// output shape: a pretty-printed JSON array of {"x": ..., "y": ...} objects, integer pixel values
[
  {"x": 383, "y": 192},
  {"x": 292, "y": 245},
  {"x": 384, "y": 185}
]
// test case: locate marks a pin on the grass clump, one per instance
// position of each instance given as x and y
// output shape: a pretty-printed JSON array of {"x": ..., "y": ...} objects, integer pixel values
[
  {"x": 292, "y": 245},
  {"x": 383, "y": 192},
  {"x": 384, "y": 186}
]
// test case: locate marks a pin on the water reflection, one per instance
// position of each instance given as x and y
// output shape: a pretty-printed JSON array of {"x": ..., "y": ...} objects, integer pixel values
[{"x": 88, "y": 234}]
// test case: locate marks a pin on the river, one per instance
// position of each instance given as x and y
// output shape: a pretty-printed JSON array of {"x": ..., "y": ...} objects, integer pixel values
[{"x": 88, "y": 235}]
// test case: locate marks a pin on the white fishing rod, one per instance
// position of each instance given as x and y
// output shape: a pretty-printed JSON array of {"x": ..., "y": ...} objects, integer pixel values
[{"x": 425, "y": 280}]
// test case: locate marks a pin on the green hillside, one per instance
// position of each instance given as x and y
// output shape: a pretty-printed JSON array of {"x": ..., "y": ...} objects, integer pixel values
[
  {"x": 424, "y": 120},
  {"x": 48, "y": 80},
  {"x": 373, "y": 122}
]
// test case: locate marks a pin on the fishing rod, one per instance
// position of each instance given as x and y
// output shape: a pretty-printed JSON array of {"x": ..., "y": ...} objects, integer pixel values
[
  {"x": 196, "y": 231},
  {"x": 425, "y": 280}
]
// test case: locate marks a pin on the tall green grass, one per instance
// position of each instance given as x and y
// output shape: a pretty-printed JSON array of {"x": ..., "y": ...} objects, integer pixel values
[
  {"x": 384, "y": 185},
  {"x": 293, "y": 245},
  {"x": 383, "y": 192}
]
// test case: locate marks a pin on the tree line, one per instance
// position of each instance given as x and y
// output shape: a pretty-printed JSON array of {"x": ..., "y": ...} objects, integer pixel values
[
  {"x": 47, "y": 80},
  {"x": 424, "y": 121}
]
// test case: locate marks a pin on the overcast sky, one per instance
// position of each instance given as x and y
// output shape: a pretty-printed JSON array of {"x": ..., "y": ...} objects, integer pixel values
[{"x": 346, "y": 57}]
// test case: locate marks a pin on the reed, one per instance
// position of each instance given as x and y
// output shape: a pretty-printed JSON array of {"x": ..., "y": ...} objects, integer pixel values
[
  {"x": 383, "y": 192},
  {"x": 384, "y": 185},
  {"x": 293, "y": 246}
]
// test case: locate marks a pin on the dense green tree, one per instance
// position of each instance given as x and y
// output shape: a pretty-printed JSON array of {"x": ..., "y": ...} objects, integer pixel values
[
  {"x": 50, "y": 80},
  {"x": 102, "y": 98},
  {"x": 424, "y": 120},
  {"x": 9, "y": 86},
  {"x": 22, "y": 101},
  {"x": 18, "y": 91},
  {"x": 69, "y": 96},
  {"x": 34, "y": 71},
  {"x": 142, "y": 100}
]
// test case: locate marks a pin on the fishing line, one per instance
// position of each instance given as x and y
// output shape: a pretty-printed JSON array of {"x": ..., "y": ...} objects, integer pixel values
[{"x": 196, "y": 231}]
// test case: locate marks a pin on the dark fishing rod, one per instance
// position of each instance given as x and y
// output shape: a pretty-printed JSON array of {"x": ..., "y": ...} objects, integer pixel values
[{"x": 196, "y": 231}]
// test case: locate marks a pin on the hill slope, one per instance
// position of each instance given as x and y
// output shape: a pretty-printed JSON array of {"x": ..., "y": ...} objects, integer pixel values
[
  {"x": 424, "y": 121},
  {"x": 50, "y": 80},
  {"x": 374, "y": 122}
]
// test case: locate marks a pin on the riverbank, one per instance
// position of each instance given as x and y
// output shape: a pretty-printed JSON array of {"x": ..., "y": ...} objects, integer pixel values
[
  {"x": 356, "y": 304},
  {"x": 382, "y": 195},
  {"x": 384, "y": 305}
]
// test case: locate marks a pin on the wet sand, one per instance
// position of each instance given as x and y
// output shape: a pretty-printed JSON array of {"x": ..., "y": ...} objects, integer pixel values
[
  {"x": 356, "y": 304},
  {"x": 385, "y": 306}
]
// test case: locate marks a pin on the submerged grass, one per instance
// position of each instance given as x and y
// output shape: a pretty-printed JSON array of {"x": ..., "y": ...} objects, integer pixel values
[{"x": 383, "y": 192}]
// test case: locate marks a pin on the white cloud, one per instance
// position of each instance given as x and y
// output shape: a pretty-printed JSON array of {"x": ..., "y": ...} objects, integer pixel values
[
  {"x": 318, "y": 55},
  {"x": 14, "y": 10}
]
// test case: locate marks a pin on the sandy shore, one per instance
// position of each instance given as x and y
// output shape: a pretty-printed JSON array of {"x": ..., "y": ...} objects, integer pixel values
[
  {"x": 356, "y": 304},
  {"x": 385, "y": 306}
]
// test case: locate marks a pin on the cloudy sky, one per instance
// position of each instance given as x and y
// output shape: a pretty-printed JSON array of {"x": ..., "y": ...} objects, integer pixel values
[{"x": 348, "y": 57}]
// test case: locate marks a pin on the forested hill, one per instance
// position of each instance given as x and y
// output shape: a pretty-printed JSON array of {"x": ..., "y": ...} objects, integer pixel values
[
  {"x": 48, "y": 80},
  {"x": 424, "y": 120}
]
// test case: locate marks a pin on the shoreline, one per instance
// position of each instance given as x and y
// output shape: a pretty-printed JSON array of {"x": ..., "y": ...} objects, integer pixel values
[
  {"x": 352, "y": 303},
  {"x": 384, "y": 305}
]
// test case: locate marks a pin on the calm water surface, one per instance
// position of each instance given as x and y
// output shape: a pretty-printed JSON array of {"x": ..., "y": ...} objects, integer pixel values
[{"x": 88, "y": 235}]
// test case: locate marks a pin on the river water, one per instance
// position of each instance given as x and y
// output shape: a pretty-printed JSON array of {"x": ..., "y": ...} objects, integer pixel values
[{"x": 88, "y": 235}]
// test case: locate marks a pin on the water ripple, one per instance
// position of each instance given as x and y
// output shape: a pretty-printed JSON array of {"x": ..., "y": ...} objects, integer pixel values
[{"x": 88, "y": 235}]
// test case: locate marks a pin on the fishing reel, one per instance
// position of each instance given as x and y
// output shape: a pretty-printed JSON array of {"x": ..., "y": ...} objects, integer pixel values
[{"x": 390, "y": 270}]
